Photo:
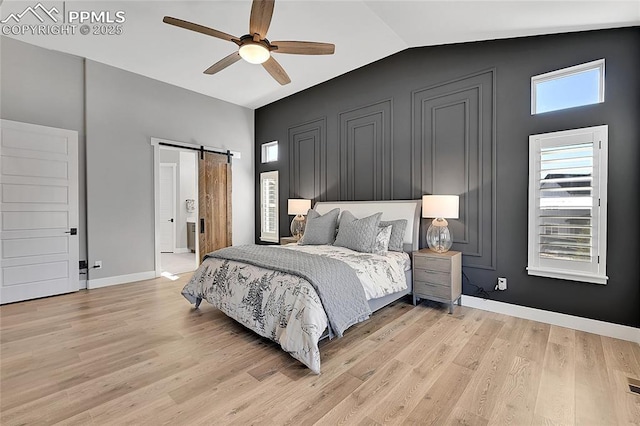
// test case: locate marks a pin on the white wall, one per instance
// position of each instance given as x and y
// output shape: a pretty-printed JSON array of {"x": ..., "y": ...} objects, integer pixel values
[
  {"x": 173, "y": 157},
  {"x": 44, "y": 87},
  {"x": 187, "y": 191},
  {"x": 118, "y": 113},
  {"x": 123, "y": 112}
]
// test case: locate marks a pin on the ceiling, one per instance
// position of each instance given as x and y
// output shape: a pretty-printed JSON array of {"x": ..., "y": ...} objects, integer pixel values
[{"x": 363, "y": 32}]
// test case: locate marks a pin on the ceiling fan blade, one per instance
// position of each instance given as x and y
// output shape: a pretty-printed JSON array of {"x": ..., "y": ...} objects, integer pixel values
[
  {"x": 277, "y": 72},
  {"x": 223, "y": 63},
  {"x": 304, "y": 47},
  {"x": 261, "y": 12},
  {"x": 199, "y": 29}
]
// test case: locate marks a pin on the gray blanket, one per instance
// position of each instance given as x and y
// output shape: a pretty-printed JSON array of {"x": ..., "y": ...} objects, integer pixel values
[{"x": 335, "y": 282}]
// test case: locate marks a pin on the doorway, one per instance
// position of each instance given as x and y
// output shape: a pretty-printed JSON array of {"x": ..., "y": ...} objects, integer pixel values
[
  {"x": 177, "y": 211},
  {"x": 202, "y": 218}
]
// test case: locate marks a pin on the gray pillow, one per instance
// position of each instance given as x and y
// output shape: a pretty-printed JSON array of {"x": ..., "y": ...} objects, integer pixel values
[
  {"x": 398, "y": 229},
  {"x": 320, "y": 229},
  {"x": 358, "y": 234}
]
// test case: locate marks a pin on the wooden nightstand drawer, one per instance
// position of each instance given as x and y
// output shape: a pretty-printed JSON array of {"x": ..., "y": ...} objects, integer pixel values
[
  {"x": 427, "y": 289},
  {"x": 432, "y": 263},
  {"x": 433, "y": 277},
  {"x": 437, "y": 276}
]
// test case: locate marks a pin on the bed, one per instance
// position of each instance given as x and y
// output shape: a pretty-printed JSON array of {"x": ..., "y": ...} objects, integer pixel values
[{"x": 297, "y": 295}]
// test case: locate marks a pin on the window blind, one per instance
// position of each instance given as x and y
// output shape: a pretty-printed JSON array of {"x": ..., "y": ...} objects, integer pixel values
[
  {"x": 269, "y": 206},
  {"x": 567, "y": 204}
]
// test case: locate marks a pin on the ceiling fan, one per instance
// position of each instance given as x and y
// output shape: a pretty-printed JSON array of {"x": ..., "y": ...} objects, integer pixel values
[{"x": 254, "y": 47}]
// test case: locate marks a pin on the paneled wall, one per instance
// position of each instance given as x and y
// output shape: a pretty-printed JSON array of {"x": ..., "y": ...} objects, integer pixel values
[
  {"x": 365, "y": 142},
  {"x": 456, "y": 119},
  {"x": 453, "y": 144},
  {"x": 307, "y": 160}
]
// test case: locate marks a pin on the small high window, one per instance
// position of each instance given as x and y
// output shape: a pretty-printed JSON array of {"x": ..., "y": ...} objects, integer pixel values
[
  {"x": 270, "y": 152},
  {"x": 567, "y": 88}
]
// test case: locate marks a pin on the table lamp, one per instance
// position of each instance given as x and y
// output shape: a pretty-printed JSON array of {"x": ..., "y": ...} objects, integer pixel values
[
  {"x": 298, "y": 207},
  {"x": 440, "y": 207}
]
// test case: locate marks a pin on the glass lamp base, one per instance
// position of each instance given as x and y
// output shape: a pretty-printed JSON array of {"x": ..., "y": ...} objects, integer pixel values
[
  {"x": 297, "y": 226},
  {"x": 439, "y": 238}
]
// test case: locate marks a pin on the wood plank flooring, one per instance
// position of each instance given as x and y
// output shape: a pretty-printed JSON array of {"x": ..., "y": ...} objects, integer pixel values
[{"x": 139, "y": 354}]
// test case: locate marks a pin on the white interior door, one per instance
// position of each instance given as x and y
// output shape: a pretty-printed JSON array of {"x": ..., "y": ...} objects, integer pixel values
[
  {"x": 167, "y": 207},
  {"x": 39, "y": 211}
]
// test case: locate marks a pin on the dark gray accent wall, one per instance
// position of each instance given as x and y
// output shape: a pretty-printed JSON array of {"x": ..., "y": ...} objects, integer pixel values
[
  {"x": 453, "y": 144},
  {"x": 366, "y": 170},
  {"x": 307, "y": 160},
  {"x": 456, "y": 119}
]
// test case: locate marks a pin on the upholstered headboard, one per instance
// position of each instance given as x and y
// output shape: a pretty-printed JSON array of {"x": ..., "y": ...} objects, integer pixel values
[{"x": 391, "y": 210}]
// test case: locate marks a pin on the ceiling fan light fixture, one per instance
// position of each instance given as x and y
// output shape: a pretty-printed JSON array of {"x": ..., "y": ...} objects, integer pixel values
[
  {"x": 254, "y": 53},
  {"x": 254, "y": 47}
]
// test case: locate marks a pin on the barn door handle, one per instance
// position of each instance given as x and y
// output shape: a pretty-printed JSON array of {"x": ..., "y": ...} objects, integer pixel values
[
  {"x": 202, "y": 225},
  {"x": 72, "y": 231}
]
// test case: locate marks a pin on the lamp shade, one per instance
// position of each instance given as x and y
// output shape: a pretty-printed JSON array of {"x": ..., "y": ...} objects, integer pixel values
[
  {"x": 298, "y": 206},
  {"x": 254, "y": 53},
  {"x": 440, "y": 206}
]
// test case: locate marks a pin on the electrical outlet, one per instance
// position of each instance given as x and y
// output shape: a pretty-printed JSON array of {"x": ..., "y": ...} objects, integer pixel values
[
  {"x": 502, "y": 283},
  {"x": 82, "y": 264},
  {"x": 97, "y": 264}
]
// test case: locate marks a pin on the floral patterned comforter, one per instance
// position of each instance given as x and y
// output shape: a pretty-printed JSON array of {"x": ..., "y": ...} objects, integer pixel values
[{"x": 286, "y": 308}]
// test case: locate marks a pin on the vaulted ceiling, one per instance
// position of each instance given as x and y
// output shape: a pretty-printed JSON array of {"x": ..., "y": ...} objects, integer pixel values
[{"x": 363, "y": 32}]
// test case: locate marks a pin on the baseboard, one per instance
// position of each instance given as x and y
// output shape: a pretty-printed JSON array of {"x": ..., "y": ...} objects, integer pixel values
[
  {"x": 563, "y": 320},
  {"x": 181, "y": 250},
  {"x": 120, "y": 279},
  {"x": 82, "y": 284}
]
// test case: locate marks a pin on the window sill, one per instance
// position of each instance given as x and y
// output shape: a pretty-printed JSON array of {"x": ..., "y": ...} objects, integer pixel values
[{"x": 568, "y": 275}]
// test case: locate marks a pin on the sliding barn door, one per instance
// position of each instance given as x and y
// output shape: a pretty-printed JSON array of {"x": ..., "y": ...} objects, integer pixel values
[{"x": 214, "y": 202}]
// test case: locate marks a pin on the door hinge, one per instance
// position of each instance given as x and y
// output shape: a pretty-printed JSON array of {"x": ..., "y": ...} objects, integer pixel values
[
  {"x": 598, "y": 202},
  {"x": 599, "y": 144},
  {"x": 598, "y": 259}
]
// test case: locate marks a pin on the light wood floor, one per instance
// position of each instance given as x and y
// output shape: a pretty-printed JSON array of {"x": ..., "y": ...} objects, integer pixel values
[{"x": 138, "y": 354}]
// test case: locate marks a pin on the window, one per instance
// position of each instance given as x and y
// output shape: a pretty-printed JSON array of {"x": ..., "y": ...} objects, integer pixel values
[
  {"x": 270, "y": 152},
  {"x": 568, "y": 204},
  {"x": 569, "y": 87},
  {"x": 269, "y": 206}
]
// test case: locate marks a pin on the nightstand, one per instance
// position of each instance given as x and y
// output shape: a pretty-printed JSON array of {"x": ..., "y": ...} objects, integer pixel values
[
  {"x": 437, "y": 276},
  {"x": 288, "y": 240}
]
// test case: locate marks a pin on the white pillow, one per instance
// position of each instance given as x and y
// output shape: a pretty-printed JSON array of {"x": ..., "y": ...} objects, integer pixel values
[{"x": 381, "y": 245}]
